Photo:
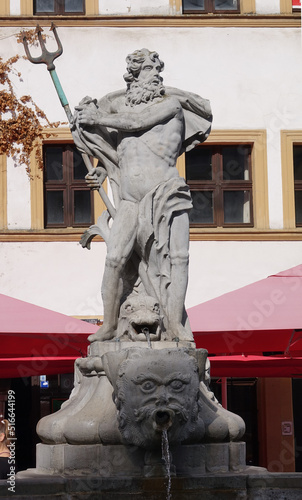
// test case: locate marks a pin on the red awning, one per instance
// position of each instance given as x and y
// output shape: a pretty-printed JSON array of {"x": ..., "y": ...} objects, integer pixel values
[
  {"x": 265, "y": 316},
  {"x": 36, "y": 341},
  {"x": 28, "y": 367},
  {"x": 255, "y": 366}
]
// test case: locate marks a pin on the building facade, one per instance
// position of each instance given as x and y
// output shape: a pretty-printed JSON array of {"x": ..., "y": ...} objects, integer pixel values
[{"x": 246, "y": 179}]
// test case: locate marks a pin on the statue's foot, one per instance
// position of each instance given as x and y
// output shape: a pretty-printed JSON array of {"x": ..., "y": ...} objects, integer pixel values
[
  {"x": 179, "y": 332},
  {"x": 101, "y": 335}
]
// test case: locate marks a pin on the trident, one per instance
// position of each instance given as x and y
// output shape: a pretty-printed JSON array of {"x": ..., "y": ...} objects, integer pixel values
[{"x": 48, "y": 58}]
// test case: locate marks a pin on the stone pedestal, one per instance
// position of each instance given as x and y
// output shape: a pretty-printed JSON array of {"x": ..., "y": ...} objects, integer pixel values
[
  {"x": 252, "y": 484},
  {"x": 157, "y": 388},
  {"x": 89, "y": 415},
  {"x": 120, "y": 460}
]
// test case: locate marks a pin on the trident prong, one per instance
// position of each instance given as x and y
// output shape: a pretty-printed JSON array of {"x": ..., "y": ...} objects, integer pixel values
[{"x": 46, "y": 57}]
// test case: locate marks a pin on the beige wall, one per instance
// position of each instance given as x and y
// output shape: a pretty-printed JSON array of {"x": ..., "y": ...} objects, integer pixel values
[{"x": 251, "y": 76}]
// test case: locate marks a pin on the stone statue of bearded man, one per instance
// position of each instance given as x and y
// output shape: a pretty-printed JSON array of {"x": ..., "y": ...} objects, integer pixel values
[{"x": 137, "y": 135}]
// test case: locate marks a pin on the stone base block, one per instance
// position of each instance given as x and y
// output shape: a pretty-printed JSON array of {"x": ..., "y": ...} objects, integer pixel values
[
  {"x": 104, "y": 461},
  {"x": 237, "y": 456},
  {"x": 252, "y": 484},
  {"x": 119, "y": 460},
  {"x": 100, "y": 348}
]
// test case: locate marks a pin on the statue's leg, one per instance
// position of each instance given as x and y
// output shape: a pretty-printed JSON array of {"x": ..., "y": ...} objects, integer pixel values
[
  {"x": 119, "y": 248},
  {"x": 179, "y": 255}
]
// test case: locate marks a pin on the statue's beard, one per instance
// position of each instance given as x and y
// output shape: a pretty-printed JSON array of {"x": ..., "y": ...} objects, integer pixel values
[{"x": 146, "y": 92}]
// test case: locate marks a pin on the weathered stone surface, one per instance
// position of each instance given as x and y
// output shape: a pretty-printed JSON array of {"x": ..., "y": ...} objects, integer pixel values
[
  {"x": 87, "y": 435},
  {"x": 107, "y": 461},
  {"x": 279, "y": 486},
  {"x": 120, "y": 460},
  {"x": 237, "y": 454},
  {"x": 157, "y": 390},
  {"x": 89, "y": 416},
  {"x": 143, "y": 378},
  {"x": 100, "y": 348},
  {"x": 137, "y": 135},
  {"x": 217, "y": 457},
  {"x": 189, "y": 460},
  {"x": 251, "y": 485}
]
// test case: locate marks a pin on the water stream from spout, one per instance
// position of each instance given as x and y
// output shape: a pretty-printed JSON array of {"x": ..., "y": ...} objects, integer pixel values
[
  {"x": 146, "y": 332},
  {"x": 165, "y": 450}
]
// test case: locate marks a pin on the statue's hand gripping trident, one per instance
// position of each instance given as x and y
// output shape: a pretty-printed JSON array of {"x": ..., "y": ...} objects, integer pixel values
[{"x": 48, "y": 58}]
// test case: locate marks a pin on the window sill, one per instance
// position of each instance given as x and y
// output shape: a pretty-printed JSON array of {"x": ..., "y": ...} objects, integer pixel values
[
  {"x": 196, "y": 234},
  {"x": 245, "y": 234},
  {"x": 44, "y": 235},
  {"x": 183, "y": 20}
]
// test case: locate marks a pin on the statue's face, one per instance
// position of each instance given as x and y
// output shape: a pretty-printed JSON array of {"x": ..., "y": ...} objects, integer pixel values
[
  {"x": 149, "y": 73},
  {"x": 159, "y": 392}
]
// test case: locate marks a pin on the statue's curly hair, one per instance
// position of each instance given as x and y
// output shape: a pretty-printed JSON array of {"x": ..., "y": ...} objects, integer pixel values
[{"x": 135, "y": 60}]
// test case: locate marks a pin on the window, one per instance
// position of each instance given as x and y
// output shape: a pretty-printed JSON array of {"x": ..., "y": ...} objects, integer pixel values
[
  {"x": 220, "y": 180},
  {"x": 67, "y": 200},
  {"x": 297, "y": 153},
  {"x": 214, "y": 6},
  {"x": 291, "y": 149},
  {"x": 59, "y": 7},
  {"x": 38, "y": 182}
]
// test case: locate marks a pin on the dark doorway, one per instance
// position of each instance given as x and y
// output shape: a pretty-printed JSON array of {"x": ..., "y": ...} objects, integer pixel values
[
  {"x": 26, "y": 418},
  {"x": 297, "y": 411},
  {"x": 242, "y": 400}
]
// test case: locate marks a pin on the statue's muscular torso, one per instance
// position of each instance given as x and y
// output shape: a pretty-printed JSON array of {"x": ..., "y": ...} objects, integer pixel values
[{"x": 148, "y": 157}]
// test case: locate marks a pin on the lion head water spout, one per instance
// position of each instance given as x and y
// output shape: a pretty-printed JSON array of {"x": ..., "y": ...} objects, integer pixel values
[{"x": 146, "y": 332}]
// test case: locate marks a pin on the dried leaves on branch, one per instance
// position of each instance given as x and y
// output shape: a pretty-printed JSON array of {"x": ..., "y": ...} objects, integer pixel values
[{"x": 22, "y": 122}]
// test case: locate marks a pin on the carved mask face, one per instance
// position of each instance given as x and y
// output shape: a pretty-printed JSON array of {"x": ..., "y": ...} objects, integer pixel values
[{"x": 154, "y": 392}]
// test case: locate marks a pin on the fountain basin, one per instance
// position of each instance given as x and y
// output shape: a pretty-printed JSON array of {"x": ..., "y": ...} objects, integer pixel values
[
  {"x": 120, "y": 460},
  {"x": 252, "y": 484}
]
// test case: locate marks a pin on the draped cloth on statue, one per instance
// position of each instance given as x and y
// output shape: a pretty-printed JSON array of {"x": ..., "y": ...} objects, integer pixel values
[{"x": 156, "y": 210}]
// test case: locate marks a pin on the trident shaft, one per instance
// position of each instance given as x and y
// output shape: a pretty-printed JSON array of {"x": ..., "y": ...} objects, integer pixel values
[{"x": 48, "y": 58}]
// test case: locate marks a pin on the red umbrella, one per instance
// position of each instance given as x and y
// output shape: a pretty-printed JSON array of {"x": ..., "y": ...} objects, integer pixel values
[
  {"x": 28, "y": 367},
  {"x": 35, "y": 340},
  {"x": 255, "y": 366},
  {"x": 262, "y": 317}
]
